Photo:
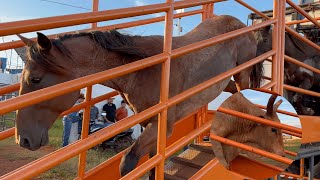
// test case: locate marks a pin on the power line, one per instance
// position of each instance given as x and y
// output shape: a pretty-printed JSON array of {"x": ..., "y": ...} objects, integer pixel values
[{"x": 79, "y": 7}]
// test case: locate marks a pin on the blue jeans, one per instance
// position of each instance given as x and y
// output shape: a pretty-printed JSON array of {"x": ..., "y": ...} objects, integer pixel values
[{"x": 66, "y": 131}]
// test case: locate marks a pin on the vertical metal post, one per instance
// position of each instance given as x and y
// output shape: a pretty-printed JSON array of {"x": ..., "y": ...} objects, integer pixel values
[
  {"x": 204, "y": 13},
  {"x": 85, "y": 132},
  {"x": 301, "y": 167},
  {"x": 210, "y": 10},
  {"x": 275, "y": 46},
  {"x": 95, "y": 8},
  {"x": 311, "y": 165},
  {"x": 281, "y": 24},
  {"x": 164, "y": 91}
]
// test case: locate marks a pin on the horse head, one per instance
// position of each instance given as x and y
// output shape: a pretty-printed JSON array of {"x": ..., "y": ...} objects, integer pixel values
[{"x": 43, "y": 68}]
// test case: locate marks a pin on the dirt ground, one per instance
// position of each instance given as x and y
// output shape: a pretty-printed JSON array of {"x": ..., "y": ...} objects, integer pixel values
[{"x": 12, "y": 156}]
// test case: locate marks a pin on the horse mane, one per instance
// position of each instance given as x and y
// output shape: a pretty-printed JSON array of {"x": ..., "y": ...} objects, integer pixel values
[{"x": 109, "y": 40}]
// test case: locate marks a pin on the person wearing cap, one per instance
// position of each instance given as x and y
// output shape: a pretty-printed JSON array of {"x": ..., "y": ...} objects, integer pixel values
[{"x": 110, "y": 110}]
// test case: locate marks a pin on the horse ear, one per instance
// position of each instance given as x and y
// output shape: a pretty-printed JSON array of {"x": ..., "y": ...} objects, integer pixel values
[
  {"x": 270, "y": 106},
  {"x": 276, "y": 105},
  {"x": 44, "y": 42},
  {"x": 25, "y": 40}
]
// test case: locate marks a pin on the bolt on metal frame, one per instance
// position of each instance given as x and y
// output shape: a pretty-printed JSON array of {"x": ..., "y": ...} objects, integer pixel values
[{"x": 164, "y": 58}]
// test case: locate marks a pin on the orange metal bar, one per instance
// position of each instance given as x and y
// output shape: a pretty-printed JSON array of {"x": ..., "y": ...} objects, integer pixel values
[
  {"x": 301, "y": 11},
  {"x": 275, "y": 45},
  {"x": 17, "y": 27},
  {"x": 251, "y": 149},
  {"x": 293, "y": 175},
  {"x": 301, "y": 64},
  {"x": 95, "y": 8},
  {"x": 301, "y": 167},
  {"x": 301, "y": 21},
  {"x": 269, "y": 85},
  {"x": 144, "y": 168},
  {"x": 252, "y": 9},
  {"x": 291, "y": 133},
  {"x": 7, "y": 133},
  {"x": 9, "y": 89},
  {"x": 290, "y": 153},
  {"x": 164, "y": 90},
  {"x": 85, "y": 132},
  {"x": 259, "y": 120},
  {"x": 217, "y": 39},
  {"x": 300, "y": 90},
  {"x": 281, "y": 41},
  {"x": 194, "y": 90},
  {"x": 279, "y": 111},
  {"x": 16, "y": 44},
  {"x": 10, "y": 132},
  {"x": 186, "y": 139},
  {"x": 41, "y": 165},
  {"x": 265, "y": 91},
  {"x": 70, "y": 86}
]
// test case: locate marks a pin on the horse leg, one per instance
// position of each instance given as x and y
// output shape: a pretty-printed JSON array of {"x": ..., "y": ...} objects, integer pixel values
[
  {"x": 298, "y": 97},
  {"x": 242, "y": 79}
]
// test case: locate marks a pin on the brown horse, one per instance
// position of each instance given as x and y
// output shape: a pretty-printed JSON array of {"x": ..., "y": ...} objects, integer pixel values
[
  {"x": 53, "y": 61},
  {"x": 294, "y": 75}
]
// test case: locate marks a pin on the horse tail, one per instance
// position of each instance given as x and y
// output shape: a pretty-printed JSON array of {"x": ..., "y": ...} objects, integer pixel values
[{"x": 256, "y": 75}]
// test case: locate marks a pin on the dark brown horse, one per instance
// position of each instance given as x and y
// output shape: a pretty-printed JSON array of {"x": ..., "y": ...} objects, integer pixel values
[
  {"x": 53, "y": 61},
  {"x": 294, "y": 75}
]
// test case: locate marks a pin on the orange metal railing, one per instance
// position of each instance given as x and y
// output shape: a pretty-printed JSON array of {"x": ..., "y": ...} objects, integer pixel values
[{"x": 80, "y": 147}]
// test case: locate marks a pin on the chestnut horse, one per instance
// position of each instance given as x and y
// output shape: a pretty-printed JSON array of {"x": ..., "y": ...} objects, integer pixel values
[{"x": 53, "y": 61}]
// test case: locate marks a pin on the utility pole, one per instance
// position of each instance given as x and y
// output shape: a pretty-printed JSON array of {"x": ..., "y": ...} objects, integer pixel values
[{"x": 179, "y": 21}]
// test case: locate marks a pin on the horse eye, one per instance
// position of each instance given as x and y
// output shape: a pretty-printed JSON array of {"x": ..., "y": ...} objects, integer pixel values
[
  {"x": 274, "y": 130},
  {"x": 35, "y": 80}
]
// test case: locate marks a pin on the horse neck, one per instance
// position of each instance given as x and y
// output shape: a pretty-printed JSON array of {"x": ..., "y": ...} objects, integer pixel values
[{"x": 298, "y": 49}]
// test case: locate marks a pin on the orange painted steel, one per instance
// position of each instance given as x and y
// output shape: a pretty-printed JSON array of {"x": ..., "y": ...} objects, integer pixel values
[
  {"x": 259, "y": 120},
  {"x": 145, "y": 167},
  {"x": 301, "y": 165},
  {"x": 280, "y": 111},
  {"x": 7, "y": 133},
  {"x": 164, "y": 90},
  {"x": 310, "y": 126},
  {"x": 186, "y": 139},
  {"x": 290, "y": 153},
  {"x": 17, "y": 27},
  {"x": 292, "y": 133},
  {"x": 19, "y": 43},
  {"x": 301, "y": 21},
  {"x": 302, "y": 12},
  {"x": 9, "y": 89},
  {"x": 85, "y": 132},
  {"x": 251, "y": 149},
  {"x": 300, "y": 90},
  {"x": 95, "y": 8},
  {"x": 269, "y": 85},
  {"x": 301, "y": 64},
  {"x": 10, "y": 132}
]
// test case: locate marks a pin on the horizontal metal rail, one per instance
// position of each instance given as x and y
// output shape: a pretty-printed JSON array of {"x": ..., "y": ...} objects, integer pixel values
[
  {"x": 292, "y": 133},
  {"x": 279, "y": 111},
  {"x": 24, "y": 26},
  {"x": 9, "y": 89},
  {"x": 304, "y": 13},
  {"x": 40, "y": 165},
  {"x": 259, "y": 120},
  {"x": 300, "y": 90},
  {"x": 300, "y": 21},
  {"x": 269, "y": 85},
  {"x": 299, "y": 63},
  {"x": 19, "y": 43},
  {"x": 143, "y": 168},
  {"x": 251, "y": 149}
]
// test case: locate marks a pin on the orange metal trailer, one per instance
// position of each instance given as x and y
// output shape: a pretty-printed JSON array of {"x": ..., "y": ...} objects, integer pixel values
[{"x": 186, "y": 129}]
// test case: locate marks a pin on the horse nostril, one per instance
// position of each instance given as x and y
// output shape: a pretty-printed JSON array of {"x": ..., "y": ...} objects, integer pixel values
[{"x": 25, "y": 143}]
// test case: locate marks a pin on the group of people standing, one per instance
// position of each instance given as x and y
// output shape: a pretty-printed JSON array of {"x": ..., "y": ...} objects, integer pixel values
[{"x": 72, "y": 123}]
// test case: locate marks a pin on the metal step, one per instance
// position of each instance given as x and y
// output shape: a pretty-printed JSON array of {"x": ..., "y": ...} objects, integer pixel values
[{"x": 188, "y": 162}]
